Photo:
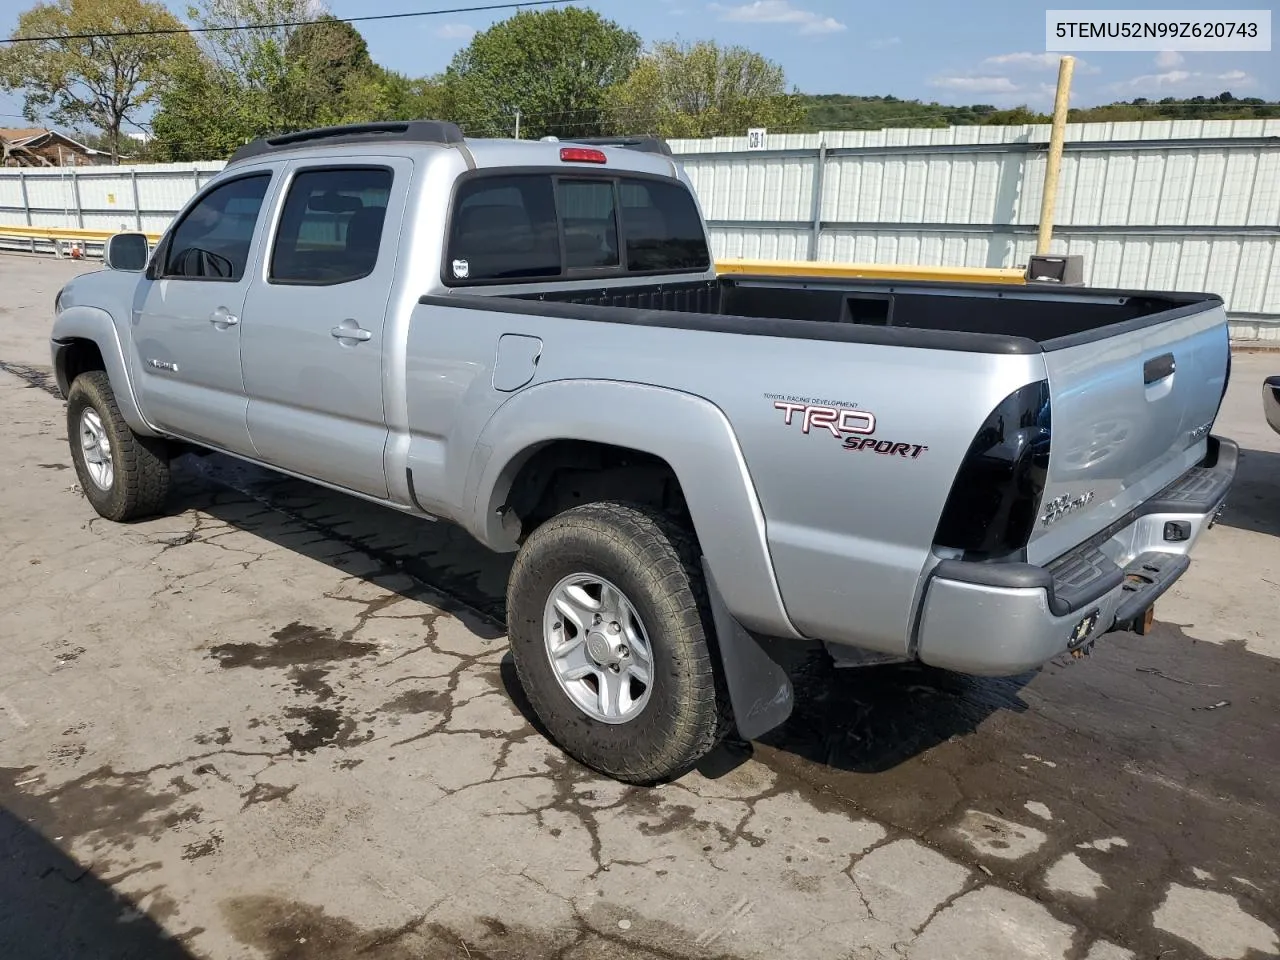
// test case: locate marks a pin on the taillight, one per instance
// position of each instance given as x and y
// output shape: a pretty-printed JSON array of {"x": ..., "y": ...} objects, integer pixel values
[
  {"x": 995, "y": 497},
  {"x": 582, "y": 155}
]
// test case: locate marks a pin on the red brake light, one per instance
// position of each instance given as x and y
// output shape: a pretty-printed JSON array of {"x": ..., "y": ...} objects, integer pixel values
[{"x": 581, "y": 155}]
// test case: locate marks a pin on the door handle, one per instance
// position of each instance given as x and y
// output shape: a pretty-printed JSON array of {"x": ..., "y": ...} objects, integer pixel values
[
  {"x": 222, "y": 317},
  {"x": 1157, "y": 368},
  {"x": 350, "y": 333}
]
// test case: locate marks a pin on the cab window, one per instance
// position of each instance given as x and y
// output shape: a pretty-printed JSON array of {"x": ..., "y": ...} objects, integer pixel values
[
  {"x": 212, "y": 241},
  {"x": 331, "y": 226}
]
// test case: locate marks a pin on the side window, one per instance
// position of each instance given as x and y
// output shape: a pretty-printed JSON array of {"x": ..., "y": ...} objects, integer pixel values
[
  {"x": 589, "y": 222},
  {"x": 331, "y": 226},
  {"x": 212, "y": 241},
  {"x": 504, "y": 228},
  {"x": 662, "y": 228}
]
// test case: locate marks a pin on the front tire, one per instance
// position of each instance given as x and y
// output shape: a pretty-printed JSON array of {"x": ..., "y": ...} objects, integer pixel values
[
  {"x": 124, "y": 476},
  {"x": 610, "y": 633}
]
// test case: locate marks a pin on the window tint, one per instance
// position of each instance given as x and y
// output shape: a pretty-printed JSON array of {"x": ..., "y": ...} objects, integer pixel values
[
  {"x": 662, "y": 228},
  {"x": 589, "y": 222},
  {"x": 504, "y": 228},
  {"x": 212, "y": 241},
  {"x": 331, "y": 226}
]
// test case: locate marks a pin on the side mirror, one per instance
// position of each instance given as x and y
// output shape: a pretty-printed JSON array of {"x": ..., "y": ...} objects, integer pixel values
[{"x": 126, "y": 251}]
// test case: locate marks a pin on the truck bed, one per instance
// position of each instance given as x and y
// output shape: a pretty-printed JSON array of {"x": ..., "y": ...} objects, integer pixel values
[{"x": 981, "y": 318}]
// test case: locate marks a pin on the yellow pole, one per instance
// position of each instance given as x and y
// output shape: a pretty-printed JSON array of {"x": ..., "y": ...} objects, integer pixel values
[{"x": 1065, "y": 68}]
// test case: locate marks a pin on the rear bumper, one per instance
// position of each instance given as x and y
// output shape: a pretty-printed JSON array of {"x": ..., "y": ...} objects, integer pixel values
[
  {"x": 1271, "y": 402},
  {"x": 1002, "y": 619}
]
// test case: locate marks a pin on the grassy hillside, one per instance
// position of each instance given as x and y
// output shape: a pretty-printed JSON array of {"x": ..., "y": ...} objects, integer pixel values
[{"x": 843, "y": 112}]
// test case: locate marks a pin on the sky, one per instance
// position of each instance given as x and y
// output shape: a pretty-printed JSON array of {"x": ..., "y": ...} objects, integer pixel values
[{"x": 988, "y": 51}]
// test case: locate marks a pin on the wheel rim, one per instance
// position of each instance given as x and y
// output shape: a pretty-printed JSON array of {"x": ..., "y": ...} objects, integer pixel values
[
  {"x": 96, "y": 446},
  {"x": 598, "y": 648}
]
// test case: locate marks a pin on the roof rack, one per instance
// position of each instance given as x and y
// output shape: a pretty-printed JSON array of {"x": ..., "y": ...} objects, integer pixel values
[
  {"x": 402, "y": 131},
  {"x": 645, "y": 144}
]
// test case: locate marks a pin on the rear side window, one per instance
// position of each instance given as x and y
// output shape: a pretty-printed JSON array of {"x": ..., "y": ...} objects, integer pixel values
[
  {"x": 331, "y": 226},
  {"x": 661, "y": 226},
  {"x": 540, "y": 226},
  {"x": 504, "y": 228},
  {"x": 589, "y": 222},
  {"x": 212, "y": 241}
]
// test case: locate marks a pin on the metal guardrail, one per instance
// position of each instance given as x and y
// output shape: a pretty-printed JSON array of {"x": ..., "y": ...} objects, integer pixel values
[
  {"x": 62, "y": 242},
  {"x": 871, "y": 271}
]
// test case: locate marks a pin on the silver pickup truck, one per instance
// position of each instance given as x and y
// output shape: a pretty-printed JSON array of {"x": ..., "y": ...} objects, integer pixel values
[{"x": 530, "y": 340}]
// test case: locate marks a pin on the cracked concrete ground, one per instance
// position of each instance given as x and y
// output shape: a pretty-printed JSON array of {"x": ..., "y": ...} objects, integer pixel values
[{"x": 280, "y": 723}]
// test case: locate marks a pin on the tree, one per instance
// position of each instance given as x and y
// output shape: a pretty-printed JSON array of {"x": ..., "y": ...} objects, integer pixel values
[
  {"x": 331, "y": 72},
  {"x": 555, "y": 66},
  {"x": 256, "y": 81},
  {"x": 414, "y": 98},
  {"x": 103, "y": 81},
  {"x": 704, "y": 90}
]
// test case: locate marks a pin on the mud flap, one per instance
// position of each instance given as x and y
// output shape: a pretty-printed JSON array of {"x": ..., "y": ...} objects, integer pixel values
[{"x": 759, "y": 688}]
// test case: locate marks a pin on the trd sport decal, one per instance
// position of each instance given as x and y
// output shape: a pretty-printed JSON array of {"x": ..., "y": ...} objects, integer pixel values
[{"x": 854, "y": 427}]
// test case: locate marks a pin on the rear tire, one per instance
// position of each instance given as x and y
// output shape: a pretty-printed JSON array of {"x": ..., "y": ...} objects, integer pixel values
[
  {"x": 682, "y": 712},
  {"x": 124, "y": 476}
]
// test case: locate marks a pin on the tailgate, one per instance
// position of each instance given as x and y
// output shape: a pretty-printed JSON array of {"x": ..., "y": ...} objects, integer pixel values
[{"x": 1131, "y": 410}]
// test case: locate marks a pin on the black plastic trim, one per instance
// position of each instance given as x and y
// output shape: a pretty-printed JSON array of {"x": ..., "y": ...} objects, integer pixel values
[
  {"x": 1200, "y": 489},
  {"x": 642, "y": 144},
  {"x": 1063, "y": 599},
  {"x": 405, "y": 131},
  {"x": 60, "y": 349},
  {"x": 1158, "y": 571},
  {"x": 743, "y": 326},
  {"x": 1157, "y": 368}
]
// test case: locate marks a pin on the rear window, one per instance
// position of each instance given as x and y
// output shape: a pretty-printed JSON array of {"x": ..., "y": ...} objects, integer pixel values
[
  {"x": 662, "y": 227},
  {"x": 542, "y": 226},
  {"x": 504, "y": 228}
]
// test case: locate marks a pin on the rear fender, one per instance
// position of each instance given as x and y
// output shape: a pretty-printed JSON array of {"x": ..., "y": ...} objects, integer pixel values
[
  {"x": 95, "y": 325},
  {"x": 689, "y": 433},
  {"x": 697, "y": 442}
]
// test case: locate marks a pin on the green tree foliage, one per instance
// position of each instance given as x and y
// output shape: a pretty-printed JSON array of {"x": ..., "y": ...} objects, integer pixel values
[
  {"x": 253, "y": 82},
  {"x": 703, "y": 90},
  {"x": 331, "y": 68},
  {"x": 555, "y": 66},
  {"x": 103, "y": 81},
  {"x": 413, "y": 98},
  {"x": 839, "y": 112}
]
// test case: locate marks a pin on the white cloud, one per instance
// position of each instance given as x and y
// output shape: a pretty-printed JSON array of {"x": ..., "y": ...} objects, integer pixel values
[
  {"x": 1024, "y": 60},
  {"x": 455, "y": 31},
  {"x": 1168, "y": 59},
  {"x": 977, "y": 84},
  {"x": 779, "y": 11},
  {"x": 1036, "y": 61},
  {"x": 884, "y": 43},
  {"x": 1185, "y": 80}
]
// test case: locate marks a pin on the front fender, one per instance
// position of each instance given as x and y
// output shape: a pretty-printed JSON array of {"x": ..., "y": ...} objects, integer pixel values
[
  {"x": 95, "y": 325},
  {"x": 691, "y": 434}
]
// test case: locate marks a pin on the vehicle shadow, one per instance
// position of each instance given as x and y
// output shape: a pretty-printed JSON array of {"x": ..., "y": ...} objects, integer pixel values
[
  {"x": 874, "y": 719},
  {"x": 436, "y": 563},
  {"x": 53, "y": 908},
  {"x": 1254, "y": 501},
  {"x": 864, "y": 719}
]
